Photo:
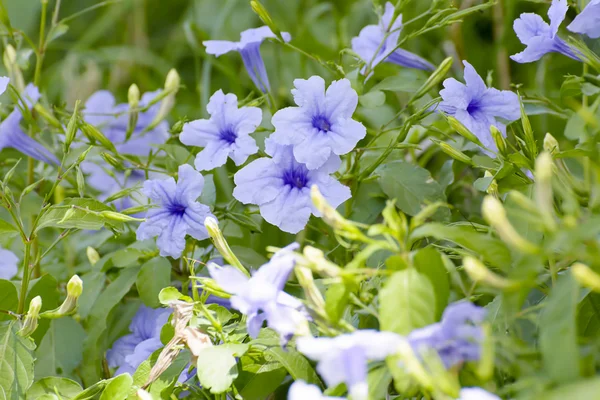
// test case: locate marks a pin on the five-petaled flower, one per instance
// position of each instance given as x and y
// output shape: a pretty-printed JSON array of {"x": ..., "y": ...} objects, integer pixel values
[
  {"x": 457, "y": 338},
  {"x": 322, "y": 125},
  {"x": 378, "y": 43},
  {"x": 225, "y": 134},
  {"x": 540, "y": 37},
  {"x": 178, "y": 213},
  {"x": 280, "y": 186},
  {"x": 8, "y": 264},
  {"x": 261, "y": 298},
  {"x": 477, "y": 107},
  {"x": 343, "y": 359},
  {"x": 249, "y": 48},
  {"x": 588, "y": 21},
  {"x": 301, "y": 390}
]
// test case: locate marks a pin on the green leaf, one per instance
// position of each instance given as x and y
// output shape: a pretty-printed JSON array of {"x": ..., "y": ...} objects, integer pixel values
[
  {"x": 9, "y": 299},
  {"x": 411, "y": 186},
  {"x": 558, "y": 331},
  {"x": 16, "y": 362},
  {"x": 125, "y": 257},
  {"x": 65, "y": 216},
  {"x": 588, "y": 315},
  {"x": 586, "y": 389},
  {"x": 152, "y": 278},
  {"x": 168, "y": 295},
  {"x": 406, "y": 302},
  {"x": 336, "y": 300},
  {"x": 117, "y": 388},
  {"x": 373, "y": 99},
  {"x": 258, "y": 386},
  {"x": 244, "y": 221},
  {"x": 405, "y": 81},
  {"x": 65, "y": 388},
  {"x": 217, "y": 366},
  {"x": 379, "y": 380},
  {"x": 249, "y": 257},
  {"x": 60, "y": 351},
  {"x": 7, "y": 229},
  {"x": 428, "y": 262}
]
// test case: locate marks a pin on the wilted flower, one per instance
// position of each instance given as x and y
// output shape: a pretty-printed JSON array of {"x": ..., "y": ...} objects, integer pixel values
[
  {"x": 377, "y": 43},
  {"x": 343, "y": 359},
  {"x": 322, "y": 125},
  {"x": 249, "y": 48},
  {"x": 540, "y": 37},
  {"x": 178, "y": 213},
  {"x": 11, "y": 133},
  {"x": 475, "y": 393},
  {"x": 457, "y": 338},
  {"x": 280, "y": 186},
  {"x": 129, "y": 351},
  {"x": 8, "y": 264},
  {"x": 225, "y": 134},
  {"x": 261, "y": 298},
  {"x": 477, "y": 107},
  {"x": 301, "y": 390},
  {"x": 588, "y": 21}
]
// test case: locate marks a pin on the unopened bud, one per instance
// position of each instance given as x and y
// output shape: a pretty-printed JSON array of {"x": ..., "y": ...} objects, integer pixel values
[
  {"x": 319, "y": 263},
  {"x": 462, "y": 130},
  {"x": 112, "y": 160},
  {"x": 551, "y": 144},
  {"x": 115, "y": 216},
  {"x": 30, "y": 323},
  {"x": 80, "y": 181},
  {"x": 47, "y": 116},
  {"x": 92, "y": 255},
  {"x": 586, "y": 277},
  {"x": 264, "y": 16},
  {"x": 133, "y": 96},
  {"x": 544, "y": 197},
  {"x": 434, "y": 79},
  {"x": 493, "y": 186},
  {"x": 96, "y": 136},
  {"x": 173, "y": 81},
  {"x": 395, "y": 221},
  {"x": 83, "y": 155},
  {"x": 332, "y": 217},
  {"x": 313, "y": 295},
  {"x": 216, "y": 236},
  {"x": 14, "y": 72},
  {"x": 454, "y": 153},
  {"x": 69, "y": 306},
  {"x": 485, "y": 366},
  {"x": 70, "y": 213},
  {"x": 499, "y": 140},
  {"x": 71, "y": 128},
  {"x": 134, "y": 210},
  {"x": 479, "y": 273}
]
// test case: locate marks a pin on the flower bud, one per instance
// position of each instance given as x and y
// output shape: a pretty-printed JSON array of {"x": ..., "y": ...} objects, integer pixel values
[
  {"x": 14, "y": 72},
  {"x": 586, "y": 276},
  {"x": 47, "y": 116},
  {"x": 313, "y": 295},
  {"x": 71, "y": 128},
  {"x": 462, "y": 130},
  {"x": 551, "y": 144},
  {"x": 434, "y": 79},
  {"x": 69, "y": 306},
  {"x": 31, "y": 319},
  {"x": 395, "y": 221},
  {"x": 543, "y": 195},
  {"x": 173, "y": 81},
  {"x": 70, "y": 213},
  {"x": 92, "y": 255},
  {"x": 133, "y": 96},
  {"x": 499, "y": 140},
  {"x": 112, "y": 161},
  {"x": 479, "y": 273},
  {"x": 332, "y": 217},
  {"x": 96, "y": 136},
  {"x": 454, "y": 153},
  {"x": 80, "y": 181},
  {"x": 493, "y": 187},
  {"x": 319, "y": 263},
  {"x": 216, "y": 236},
  {"x": 115, "y": 216},
  {"x": 264, "y": 16}
]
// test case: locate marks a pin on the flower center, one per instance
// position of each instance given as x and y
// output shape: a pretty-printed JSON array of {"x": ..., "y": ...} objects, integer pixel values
[
  {"x": 228, "y": 135},
  {"x": 177, "y": 209},
  {"x": 473, "y": 107},
  {"x": 321, "y": 123},
  {"x": 296, "y": 177}
]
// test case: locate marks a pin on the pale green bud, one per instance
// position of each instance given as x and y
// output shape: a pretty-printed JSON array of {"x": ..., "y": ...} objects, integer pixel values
[
  {"x": 92, "y": 255},
  {"x": 30, "y": 323},
  {"x": 112, "y": 160},
  {"x": 551, "y": 144},
  {"x": 586, "y": 276},
  {"x": 96, "y": 136},
  {"x": 544, "y": 197},
  {"x": 454, "y": 153},
  {"x": 133, "y": 96},
  {"x": 499, "y": 140},
  {"x": 172, "y": 82},
  {"x": 263, "y": 14},
  {"x": 69, "y": 306},
  {"x": 332, "y": 217},
  {"x": 71, "y": 128},
  {"x": 434, "y": 79},
  {"x": 479, "y": 273},
  {"x": 115, "y": 216},
  {"x": 70, "y": 213},
  {"x": 462, "y": 130},
  {"x": 313, "y": 295},
  {"x": 47, "y": 116},
  {"x": 319, "y": 263},
  {"x": 395, "y": 220},
  {"x": 493, "y": 187},
  {"x": 14, "y": 72},
  {"x": 216, "y": 236}
]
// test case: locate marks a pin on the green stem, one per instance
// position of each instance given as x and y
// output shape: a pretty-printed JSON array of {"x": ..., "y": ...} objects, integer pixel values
[
  {"x": 26, "y": 275},
  {"x": 42, "y": 44}
]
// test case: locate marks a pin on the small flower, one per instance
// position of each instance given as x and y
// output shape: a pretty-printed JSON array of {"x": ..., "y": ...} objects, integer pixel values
[
  {"x": 475, "y": 393},
  {"x": 129, "y": 351},
  {"x": 540, "y": 37},
  {"x": 301, "y": 390},
  {"x": 178, "y": 213},
  {"x": 261, "y": 298},
  {"x": 12, "y": 135},
  {"x": 249, "y": 48},
  {"x": 457, "y": 338},
  {"x": 377, "y": 43},
  {"x": 477, "y": 107},
  {"x": 8, "y": 264},
  {"x": 322, "y": 125},
  {"x": 343, "y": 359},
  {"x": 225, "y": 134},
  {"x": 588, "y": 22},
  {"x": 280, "y": 187}
]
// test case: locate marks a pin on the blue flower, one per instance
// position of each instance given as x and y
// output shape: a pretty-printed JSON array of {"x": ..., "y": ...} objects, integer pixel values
[
  {"x": 475, "y": 393},
  {"x": 249, "y": 48},
  {"x": 178, "y": 213},
  {"x": 377, "y": 43},
  {"x": 8, "y": 264},
  {"x": 112, "y": 119},
  {"x": 588, "y": 22},
  {"x": 477, "y": 107},
  {"x": 343, "y": 359},
  {"x": 457, "y": 338},
  {"x": 225, "y": 134},
  {"x": 99, "y": 178},
  {"x": 11, "y": 133},
  {"x": 541, "y": 38},
  {"x": 129, "y": 351},
  {"x": 280, "y": 187},
  {"x": 261, "y": 298},
  {"x": 322, "y": 125},
  {"x": 301, "y": 390}
]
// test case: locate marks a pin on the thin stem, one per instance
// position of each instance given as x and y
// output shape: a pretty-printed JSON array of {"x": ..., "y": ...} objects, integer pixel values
[
  {"x": 41, "y": 45},
  {"x": 26, "y": 276}
]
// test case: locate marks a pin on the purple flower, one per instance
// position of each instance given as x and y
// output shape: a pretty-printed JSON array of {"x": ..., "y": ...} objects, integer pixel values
[
  {"x": 129, "y": 351},
  {"x": 225, "y": 134},
  {"x": 8, "y": 264},
  {"x": 477, "y": 107},
  {"x": 112, "y": 119},
  {"x": 11, "y": 133},
  {"x": 457, "y": 338},
  {"x": 475, "y": 393},
  {"x": 178, "y": 213},
  {"x": 99, "y": 178},
  {"x": 541, "y": 38},
  {"x": 249, "y": 48},
  {"x": 301, "y": 390},
  {"x": 377, "y": 43},
  {"x": 280, "y": 187},
  {"x": 588, "y": 22},
  {"x": 322, "y": 125},
  {"x": 343, "y": 359},
  {"x": 261, "y": 298}
]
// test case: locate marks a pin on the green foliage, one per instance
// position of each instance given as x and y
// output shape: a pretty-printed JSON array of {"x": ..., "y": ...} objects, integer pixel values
[{"x": 16, "y": 362}]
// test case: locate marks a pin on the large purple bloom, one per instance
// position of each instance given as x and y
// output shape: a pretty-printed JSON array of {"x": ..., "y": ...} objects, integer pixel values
[
  {"x": 322, "y": 125},
  {"x": 11, "y": 133},
  {"x": 377, "y": 43},
  {"x": 225, "y": 134},
  {"x": 588, "y": 22},
  {"x": 540, "y": 37},
  {"x": 457, "y": 338},
  {"x": 249, "y": 48},
  {"x": 280, "y": 186},
  {"x": 477, "y": 107},
  {"x": 178, "y": 213},
  {"x": 8, "y": 264},
  {"x": 129, "y": 351},
  {"x": 261, "y": 298},
  {"x": 343, "y": 359}
]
